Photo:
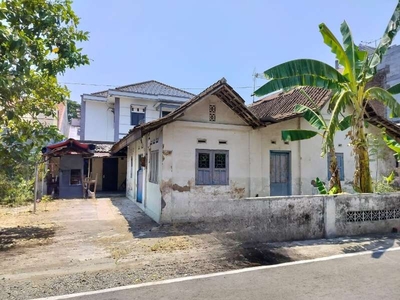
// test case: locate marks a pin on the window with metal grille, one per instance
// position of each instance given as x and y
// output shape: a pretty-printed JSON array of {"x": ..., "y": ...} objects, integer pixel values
[
  {"x": 138, "y": 115},
  {"x": 340, "y": 164},
  {"x": 75, "y": 177},
  {"x": 154, "y": 166},
  {"x": 212, "y": 167}
]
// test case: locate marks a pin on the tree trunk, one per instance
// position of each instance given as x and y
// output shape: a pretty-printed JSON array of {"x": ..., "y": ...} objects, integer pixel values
[
  {"x": 362, "y": 174},
  {"x": 334, "y": 181}
]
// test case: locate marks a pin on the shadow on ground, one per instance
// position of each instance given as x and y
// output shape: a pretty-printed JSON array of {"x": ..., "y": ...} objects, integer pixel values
[
  {"x": 142, "y": 226},
  {"x": 13, "y": 236},
  {"x": 241, "y": 249}
]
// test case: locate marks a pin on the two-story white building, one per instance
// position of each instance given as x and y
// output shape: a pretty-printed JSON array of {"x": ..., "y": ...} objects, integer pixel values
[{"x": 107, "y": 116}]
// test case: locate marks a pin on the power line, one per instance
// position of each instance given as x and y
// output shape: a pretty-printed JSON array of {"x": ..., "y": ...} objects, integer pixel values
[{"x": 116, "y": 85}]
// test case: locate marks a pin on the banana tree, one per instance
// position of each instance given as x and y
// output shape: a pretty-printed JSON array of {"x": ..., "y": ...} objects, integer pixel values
[
  {"x": 314, "y": 117},
  {"x": 348, "y": 88},
  {"x": 393, "y": 145}
]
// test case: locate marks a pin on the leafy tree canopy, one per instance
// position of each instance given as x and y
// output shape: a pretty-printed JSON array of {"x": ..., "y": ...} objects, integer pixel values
[
  {"x": 73, "y": 109},
  {"x": 38, "y": 41}
]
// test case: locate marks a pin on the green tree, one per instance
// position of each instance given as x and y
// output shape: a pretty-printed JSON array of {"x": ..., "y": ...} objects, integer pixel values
[
  {"x": 38, "y": 41},
  {"x": 348, "y": 88},
  {"x": 315, "y": 118},
  {"x": 73, "y": 108}
]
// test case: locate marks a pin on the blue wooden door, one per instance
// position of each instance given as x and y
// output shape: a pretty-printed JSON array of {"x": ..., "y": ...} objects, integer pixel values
[
  {"x": 280, "y": 184},
  {"x": 139, "y": 178}
]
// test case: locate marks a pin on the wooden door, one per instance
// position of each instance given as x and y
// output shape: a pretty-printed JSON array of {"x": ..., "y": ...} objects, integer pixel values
[{"x": 280, "y": 176}]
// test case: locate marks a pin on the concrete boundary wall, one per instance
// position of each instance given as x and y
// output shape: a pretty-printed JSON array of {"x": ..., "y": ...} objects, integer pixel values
[{"x": 292, "y": 217}]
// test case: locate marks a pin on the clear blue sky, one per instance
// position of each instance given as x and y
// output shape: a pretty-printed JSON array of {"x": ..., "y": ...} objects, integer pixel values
[{"x": 192, "y": 44}]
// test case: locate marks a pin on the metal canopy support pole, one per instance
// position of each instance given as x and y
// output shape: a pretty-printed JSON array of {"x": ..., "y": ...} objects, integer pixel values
[
  {"x": 88, "y": 171},
  {"x": 43, "y": 175},
  {"x": 36, "y": 183}
]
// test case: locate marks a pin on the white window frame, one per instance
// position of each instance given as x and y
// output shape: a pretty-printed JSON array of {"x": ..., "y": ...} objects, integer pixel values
[{"x": 154, "y": 166}]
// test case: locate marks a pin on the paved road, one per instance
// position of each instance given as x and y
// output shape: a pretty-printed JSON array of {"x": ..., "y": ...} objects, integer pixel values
[{"x": 365, "y": 277}]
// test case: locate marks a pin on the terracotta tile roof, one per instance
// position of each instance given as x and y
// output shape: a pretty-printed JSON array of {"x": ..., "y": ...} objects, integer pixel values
[
  {"x": 151, "y": 87},
  {"x": 280, "y": 106}
]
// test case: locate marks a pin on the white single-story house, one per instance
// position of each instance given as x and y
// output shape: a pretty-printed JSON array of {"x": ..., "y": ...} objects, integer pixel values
[{"x": 215, "y": 147}]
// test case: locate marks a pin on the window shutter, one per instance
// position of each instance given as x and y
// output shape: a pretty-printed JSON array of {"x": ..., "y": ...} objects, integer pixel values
[
  {"x": 220, "y": 172},
  {"x": 203, "y": 167}
]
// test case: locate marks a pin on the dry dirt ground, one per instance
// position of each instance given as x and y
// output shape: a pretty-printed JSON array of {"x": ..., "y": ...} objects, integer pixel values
[{"x": 81, "y": 245}]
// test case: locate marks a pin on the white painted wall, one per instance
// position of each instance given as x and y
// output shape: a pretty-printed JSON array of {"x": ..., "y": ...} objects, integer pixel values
[
  {"x": 125, "y": 113},
  {"x": 249, "y": 160},
  {"x": 152, "y": 201},
  {"x": 99, "y": 121},
  {"x": 200, "y": 113}
]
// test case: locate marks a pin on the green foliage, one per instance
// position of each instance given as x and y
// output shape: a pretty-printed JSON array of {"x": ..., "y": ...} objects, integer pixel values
[
  {"x": 348, "y": 89},
  {"x": 393, "y": 145},
  {"x": 17, "y": 191},
  {"x": 46, "y": 199},
  {"x": 385, "y": 184},
  {"x": 323, "y": 190},
  {"x": 297, "y": 134},
  {"x": 72, "y": 108},
  {"x": 321, "y": 186},
  {"x": 38, "y": 41}
]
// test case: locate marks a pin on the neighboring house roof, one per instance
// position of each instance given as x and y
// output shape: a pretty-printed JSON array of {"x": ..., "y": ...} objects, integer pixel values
[
  {"x": 280, "y": 106},
  {"x": 67, "y": 147},
  {"x": 102, "y": 148},
  {"x": 220, "y": 89},
  {"x": 151, "y": 87}
]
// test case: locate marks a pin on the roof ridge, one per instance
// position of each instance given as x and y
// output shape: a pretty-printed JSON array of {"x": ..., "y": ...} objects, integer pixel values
[
  {"x": 133, "y": 84},
  {"x": 175, "y": 88},
  {"x": 155, "y": 81}
]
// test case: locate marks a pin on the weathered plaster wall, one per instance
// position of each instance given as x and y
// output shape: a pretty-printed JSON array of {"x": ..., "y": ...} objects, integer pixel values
[
  {"x": 364, "y": 205},
  {"x": 180, "y": 142},
  {"x": 151, "y": 203},
  {"x": 266, "y": 219},
  {"x": 291, "y": 218}
]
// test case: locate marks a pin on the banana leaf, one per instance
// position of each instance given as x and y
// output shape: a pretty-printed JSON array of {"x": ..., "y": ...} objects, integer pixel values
[
  {"x": 394, "y": 89},
  {"x": 345, "y": 123},
  {"x": 321, "y": 187},
  {"x": 305, "y": 67},
  {"x": 301, "y": 80},
  {"x": 312, "y": 117},
  {"x": 337, "y": 49},
  {"x": 377, "y": 93},
  {"x": 297, "y": 134},
  {"x": 387, "y": 38}
]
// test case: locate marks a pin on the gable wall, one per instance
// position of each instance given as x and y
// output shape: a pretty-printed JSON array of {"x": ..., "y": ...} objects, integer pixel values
[{"x": 200, "y": 112}]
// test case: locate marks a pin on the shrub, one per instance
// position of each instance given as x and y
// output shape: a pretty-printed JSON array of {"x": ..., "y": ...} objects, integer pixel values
[{"x": 15, "y": 191}]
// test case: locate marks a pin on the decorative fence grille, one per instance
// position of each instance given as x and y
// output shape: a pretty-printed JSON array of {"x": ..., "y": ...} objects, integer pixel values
[{"x": 373, "y": 215}]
